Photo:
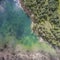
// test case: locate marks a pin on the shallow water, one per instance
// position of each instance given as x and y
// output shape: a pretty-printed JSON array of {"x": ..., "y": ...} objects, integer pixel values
[{"x": 15, "y": 22}]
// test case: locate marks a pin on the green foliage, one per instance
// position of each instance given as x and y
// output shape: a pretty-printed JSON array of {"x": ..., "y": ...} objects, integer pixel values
[{"x": 47, "y": 19}]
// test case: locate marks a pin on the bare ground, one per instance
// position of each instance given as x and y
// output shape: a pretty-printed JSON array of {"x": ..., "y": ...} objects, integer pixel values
[{"x": 13, "y": 54}]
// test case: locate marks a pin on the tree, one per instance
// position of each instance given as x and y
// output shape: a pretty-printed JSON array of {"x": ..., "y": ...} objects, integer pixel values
[{"x": 46, "y": 18}]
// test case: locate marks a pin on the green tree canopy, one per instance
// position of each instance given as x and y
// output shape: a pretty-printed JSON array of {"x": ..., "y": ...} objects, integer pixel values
[{"x": 46, "y": 19}]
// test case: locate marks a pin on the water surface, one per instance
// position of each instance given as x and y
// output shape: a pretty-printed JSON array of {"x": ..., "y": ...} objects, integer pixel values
[{"x": 16, "y": 23}]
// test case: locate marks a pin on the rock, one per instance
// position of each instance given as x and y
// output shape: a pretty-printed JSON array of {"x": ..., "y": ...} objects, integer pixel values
[{"x": 27, "y": 55}]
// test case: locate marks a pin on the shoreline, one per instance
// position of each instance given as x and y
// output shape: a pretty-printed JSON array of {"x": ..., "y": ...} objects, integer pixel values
[
  {"x": 25, "y": 8},
  {"x": 27, "y": 11}
]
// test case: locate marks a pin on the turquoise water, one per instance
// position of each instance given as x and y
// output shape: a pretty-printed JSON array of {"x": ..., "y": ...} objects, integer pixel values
[{"x": 16, "y": 23}]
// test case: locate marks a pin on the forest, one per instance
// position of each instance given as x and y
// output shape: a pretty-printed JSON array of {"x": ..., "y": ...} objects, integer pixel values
[{"x": 46, "y": 19}]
